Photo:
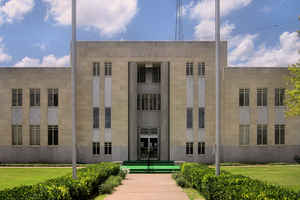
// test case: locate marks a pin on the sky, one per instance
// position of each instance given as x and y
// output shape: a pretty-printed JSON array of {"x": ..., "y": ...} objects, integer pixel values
[{"x": 260, "y": 33}]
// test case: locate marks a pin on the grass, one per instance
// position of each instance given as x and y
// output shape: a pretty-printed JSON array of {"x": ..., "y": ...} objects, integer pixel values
[
  {"x": 11, "y": 177},
  {"x": 285, "y": 175},
  {"x": 193, "y": 194},
  {"x": 100, "y": 197}
]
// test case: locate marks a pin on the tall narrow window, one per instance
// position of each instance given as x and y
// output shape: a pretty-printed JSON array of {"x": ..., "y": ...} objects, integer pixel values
[
  {"x": 52, "y": 135},
  {"x": 96, "y": 117},
  {"x": 201, "y": 147},
  {"x": 244, "y": 134},
  {"x": 35, "y": 97},
  {"x": 96, "y": 69},
  {"x": 16, "y": 134},
  {"x": 96, "y": 148},
  {"x": 141, "y": 74},
  {"x": 189, "y": 68},
  {"x": 107, "y": 117},
  {"x": 189, "y": 118},
  {"x": 201, "y": 69},
  {"x": 17, "y": 97},
  {"x": 279, "y": 96},
  {"x": 262, "y": 96},
  {"x": 244, "y": 97},
  {"x": 262, "y": 134},
  {"x": 279, "y": 134},
  {"x": 53, "y": 97},
  {"x": 201, "y": 117},
  {"x": 158, "y": 101},
  {"x": 189, "y": 148},
  {"x": 108, "y": 68},
  {"x": 156, "y": 73},
  {"x": 138, "y": 101},
  {"x": 151, "y": 102},
  {"x": 155, "y": 101},
  {"x": 34, "y": 134},
  {"x": 107, "y": 148}
]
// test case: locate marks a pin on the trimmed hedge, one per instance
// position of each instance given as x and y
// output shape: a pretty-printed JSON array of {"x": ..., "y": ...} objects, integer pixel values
[
  {"x": 231, "y": 187},
  {"x": 65, "y": 188}
]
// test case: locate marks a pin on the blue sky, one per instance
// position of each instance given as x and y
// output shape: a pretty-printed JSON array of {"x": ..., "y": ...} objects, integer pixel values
[{"x": 38, "y": 32}]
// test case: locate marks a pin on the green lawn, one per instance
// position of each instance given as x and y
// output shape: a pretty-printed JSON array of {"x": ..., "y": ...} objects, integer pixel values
[
  {"x": 10, "y": 177},
  {"x": 286, "y": 175}
]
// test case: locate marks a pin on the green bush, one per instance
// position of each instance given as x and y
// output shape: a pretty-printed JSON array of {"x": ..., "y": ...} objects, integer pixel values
[
  {"x": 123, "y": 173},
  {"x": 108, "y": 186},
  {"x": 65, "y": 188},
  {"x": 231, "y": 187}
]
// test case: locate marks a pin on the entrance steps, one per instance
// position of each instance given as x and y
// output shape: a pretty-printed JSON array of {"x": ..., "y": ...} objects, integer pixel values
[{"x": 153, "y": 166}]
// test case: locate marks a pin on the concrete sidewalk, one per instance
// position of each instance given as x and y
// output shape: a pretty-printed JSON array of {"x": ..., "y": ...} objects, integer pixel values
[{"x": 148, "y": 187}]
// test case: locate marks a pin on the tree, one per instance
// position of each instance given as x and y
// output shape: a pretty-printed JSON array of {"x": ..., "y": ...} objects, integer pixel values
[{"x": 293, "y": 93}]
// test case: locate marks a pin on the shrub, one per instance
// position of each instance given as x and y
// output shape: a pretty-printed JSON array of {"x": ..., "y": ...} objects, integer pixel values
[
  {"x": 65, "y": 188},
  {"x": 108, "y": 186},
  {"x": 123, "y": 173},
  {"x": 297, "y": 158},
  {"x": 231, "y": 187}
]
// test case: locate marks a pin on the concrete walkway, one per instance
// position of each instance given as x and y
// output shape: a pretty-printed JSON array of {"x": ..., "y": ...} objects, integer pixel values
[{"x": 148, "y": 187}]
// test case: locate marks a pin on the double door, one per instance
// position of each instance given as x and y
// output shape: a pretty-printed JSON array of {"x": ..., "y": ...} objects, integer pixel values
[{"x": 149, "y": 148}]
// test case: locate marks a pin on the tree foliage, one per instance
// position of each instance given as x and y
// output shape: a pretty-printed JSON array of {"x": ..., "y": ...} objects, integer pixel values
[{"x": 293, "y": 93}]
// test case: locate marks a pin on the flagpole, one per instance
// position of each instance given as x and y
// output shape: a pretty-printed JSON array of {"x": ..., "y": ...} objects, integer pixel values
[
  {"x": 218, "y": 102},
  {"x": 73, "y": 55}
]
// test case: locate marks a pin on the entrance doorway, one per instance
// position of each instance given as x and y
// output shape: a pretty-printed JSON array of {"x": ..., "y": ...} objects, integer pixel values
[{"x": 149, "y": 148}]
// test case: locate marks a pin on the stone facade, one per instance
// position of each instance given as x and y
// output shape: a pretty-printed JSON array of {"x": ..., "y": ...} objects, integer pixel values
[{"x": 118, "y": 92}]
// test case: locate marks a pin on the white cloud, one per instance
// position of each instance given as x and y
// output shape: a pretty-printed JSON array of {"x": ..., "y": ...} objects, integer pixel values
[
  {"x": 4, "y": 57},
  {"x": 282, "y": 55},
  {"x": 15, "y": 10},
  {"x": 205, "y": 9},
  {"x": 109, "y": 17},
  {"x": 47, "y": 61},
  {"x": 205, "y": 30}
]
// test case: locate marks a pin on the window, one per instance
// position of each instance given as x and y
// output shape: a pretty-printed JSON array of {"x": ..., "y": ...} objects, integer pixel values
[
  {"x": 279, "y": 96},
  {"x": 201, "y": 147},
  {"x": 244, "y": 134},
  {"x": 107, "y": 148},
  {"x": 201, "y": 117},
  {"x": 53, "y": 135},
  {"x": 262, "y": 132},
  {"x": 107, "y": 117},
  {"x": 17, "y": 97},
  {"x": 189, "y": 148},
  {"x": 189, "y": 118},
  {"x": 262, "y": 96},
  {"x": 141, "y": 74},
  {"x": 279, "y": 134},
  {"x": 16, "y": 134},
  {"x": 34, "y": 97},
  {"x": 244, "y": 97},
  {"x": 156, "y": 74},
  {"x": 53, "y": 97},
  {"x": 189, "y": 69},
  {"x": 108, "y": 68},
  {"x": 145, "y": 102},
  {"x": 96, "y": 117},
  {"x": 96, "y": 69},
  {"x": 34, "y": 134},
  {"x": 96, "y": 148},
  {"x": 158, "y": 102},
  {"x": 201, "y": 69},
  {"x": 138, "y": 101}
]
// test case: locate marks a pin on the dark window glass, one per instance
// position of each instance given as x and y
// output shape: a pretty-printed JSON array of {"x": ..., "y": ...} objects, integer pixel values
[
  {"x": 107, "y": 148},
  {"x": 16, "y": 134},
  {"x": 17, "y": 97},
  {"x": 279, "y": 96},
  {"x": 138, "y": 102},
  {"x": 201, "y": 69},
  {"x": 52, "y": 135},
  {"x": 201, "y": 117},
  {"x": 189, "y": 118},
  {"x": 107, "y": 117},
  {"x": 262, "y": 96},
  {"x": 279, "y": 134},
  {"x": 189, "y": 148},
  {"x": 201, "y": 148},
  {"x": 96, "y": 117},
  {"x": 141, "y": 70},
  {"x": 156, "y": 74},
  {"x": 262, "y": 134},
  {"x": 34, "y": 97},
  {"x": 96, "y": 148},
  {"x": 189, "y": 69},
  {"x": 96, "y": 69},
  {"x": 53, "y": 97},
  {"x": 244, "y": 97},
  {"x": 108, "y": 68}
]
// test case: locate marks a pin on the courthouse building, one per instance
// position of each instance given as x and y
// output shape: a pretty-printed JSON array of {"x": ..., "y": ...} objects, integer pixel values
[{"x": 146, "y": 100}]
